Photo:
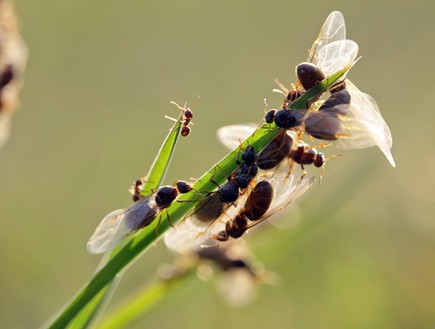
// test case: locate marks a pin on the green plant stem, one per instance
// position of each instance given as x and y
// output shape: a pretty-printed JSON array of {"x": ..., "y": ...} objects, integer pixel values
[
  {"x": 144, "y": 300},
  {"x": 154, "y": 179}
]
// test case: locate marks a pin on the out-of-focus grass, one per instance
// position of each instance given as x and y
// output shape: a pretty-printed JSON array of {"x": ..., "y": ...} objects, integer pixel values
[{"x": 99, "y": 80}]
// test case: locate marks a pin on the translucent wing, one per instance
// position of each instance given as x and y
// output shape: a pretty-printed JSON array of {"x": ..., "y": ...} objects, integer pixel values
[
  {"x": 331, "y": 52},
  {"x": 108, "y": 233},
  {"x": 233, "y": 135},
  {"x": 286, "y": 191},
  {"x": 207, "y": 219},
  {"x": 334, "y": 29},
  {"x": 363, "y": 125},
  {"x": 120, "y": 223},
  {"x": 336, "y": 56}
]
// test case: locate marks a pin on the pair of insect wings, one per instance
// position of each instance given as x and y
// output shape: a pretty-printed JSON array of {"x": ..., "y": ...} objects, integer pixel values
[{"x": 362, "y": 126}]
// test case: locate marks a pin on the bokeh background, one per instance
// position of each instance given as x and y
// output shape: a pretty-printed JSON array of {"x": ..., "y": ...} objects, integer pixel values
[{"x": 98, "y": 83}]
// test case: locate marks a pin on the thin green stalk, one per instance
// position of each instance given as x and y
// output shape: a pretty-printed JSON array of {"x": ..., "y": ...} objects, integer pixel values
[
  {"x": 154, "y": 179},
  {"x": 144, "y": 300},
  {"x": 124, "y": 255}
]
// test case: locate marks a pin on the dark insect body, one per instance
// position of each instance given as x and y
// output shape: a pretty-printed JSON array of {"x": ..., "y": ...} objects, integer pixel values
[
  {"x": 275, "y": 151},
  {"x": 306, "y": 155},
  {"x": 257, "y": 204},
  {"x": 326, "y": 123}
]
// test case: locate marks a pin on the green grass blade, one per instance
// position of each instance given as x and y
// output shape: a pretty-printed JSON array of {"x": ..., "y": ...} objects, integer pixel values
[
  {"x": 155, "y": 176},
  {"x": 123, "y": 256},
  {"x": 142, "y": 301},
  {"x": 161, "y": 163},
  {"x": 91, "y": 310}
]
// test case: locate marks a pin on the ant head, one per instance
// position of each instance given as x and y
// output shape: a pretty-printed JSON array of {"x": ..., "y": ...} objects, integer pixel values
[
  {"x": 183, "y": 186},
  {"x": 229, "y": 193},
  {"x": 269, "y": 116},
  {"x": 249, "y": 155},
  {"x": 165, "y": 195}
]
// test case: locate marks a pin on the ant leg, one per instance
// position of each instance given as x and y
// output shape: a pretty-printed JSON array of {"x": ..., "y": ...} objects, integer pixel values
[
  {"x": 214, "y": 245},
  {"x": 338, "y": 87},
  {"x": 160, "y": 221},
  {"x": 279, "y": 91},
  {"x": 221, "y": 236},
  {"x": 238, "y": 153},
  {"x": 334, "y": 156},
  {"x": 291, "y": 166},
  {"x": 304, "y": 172},
  {"x": 322, "y": 145},
  {"x": 282, "y": 87},
  {"x": 158, "y": 224},
  {"x": 321, "y": 174},
  {"x": 169, "y": 220},
  {"x": 222, "y": 172},
  {"x": 179, "y": 107},
  {"x": 170, "y": 118},
  {"x": 187, "y": 201}
]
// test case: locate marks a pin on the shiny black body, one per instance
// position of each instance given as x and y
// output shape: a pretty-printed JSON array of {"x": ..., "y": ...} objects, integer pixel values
[
  {"x": 269, "y": 116},
  {"x": 165, "y": 195},
  {"x": 183, "y": 186},
  {"x": 229, "y": 192},
  {"x": 326, "y": 123},
  {"x": 275, "y": 151},
  {"x": 188, "y": 116},
  {"x": 306, "y": 155},
  {"x": 289, "y": 118},
  {"x": 309, "y": 75},
  {"x": 256, "y": 206}
]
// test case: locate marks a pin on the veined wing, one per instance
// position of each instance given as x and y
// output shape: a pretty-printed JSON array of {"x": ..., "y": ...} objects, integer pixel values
[
  {"x": 336, "y": 56},
  {"x": 331, "y": 52},
  {"x": 287, "y": 188},
  {"x": 286, "y": 194},
  {"x": 120, "y": 223},
  {"x": 363, "y": 125},
  {"x": 206, "y": 220},
  {"x": 232, "y": 136},
  {"x": 334, "y": 29}
]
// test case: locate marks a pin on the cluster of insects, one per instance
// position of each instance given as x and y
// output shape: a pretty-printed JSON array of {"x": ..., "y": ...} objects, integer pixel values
[{"x": 265, "y": 181}]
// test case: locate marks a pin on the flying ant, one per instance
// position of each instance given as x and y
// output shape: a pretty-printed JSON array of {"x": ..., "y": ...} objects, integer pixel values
[{"x": 120, "y": 223}]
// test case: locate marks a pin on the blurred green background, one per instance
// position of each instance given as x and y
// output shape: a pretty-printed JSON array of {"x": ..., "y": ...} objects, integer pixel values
[{"x": 98, "y": 83}]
